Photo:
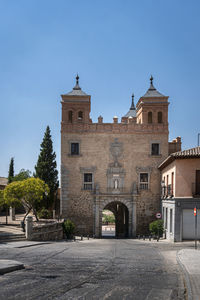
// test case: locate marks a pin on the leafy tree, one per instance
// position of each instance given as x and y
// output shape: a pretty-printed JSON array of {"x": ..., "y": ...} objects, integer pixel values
[
  {"x": 46, "y": 168},
  {"x": 11, "y": 170},
  {"x": 23, "y": 174},
  {"x": 29, "y": 192}
]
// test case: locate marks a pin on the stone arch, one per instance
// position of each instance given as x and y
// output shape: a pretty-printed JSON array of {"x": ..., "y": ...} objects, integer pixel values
[
  {"x": 122, "y": 216},
  {"x": 80, "y": 115}
]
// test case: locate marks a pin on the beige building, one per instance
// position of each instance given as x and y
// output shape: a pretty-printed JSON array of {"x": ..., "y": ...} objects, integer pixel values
[
  {"x": 113, "y": 166},
  {"x": 181, "y": 193}
]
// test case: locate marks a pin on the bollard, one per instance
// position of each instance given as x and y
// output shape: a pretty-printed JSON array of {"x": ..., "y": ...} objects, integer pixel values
[
  {"x": 138, "y": 237},
  {"x": 12, "y": 213},
  {"x": 88, "y": 237},
  {"x": 29, "y": 227},
  {"x": 158, "y": 238},
  {"x": 74, "y": 238},
  {"x": 150, "y": 238},
  {"x": 144, "y": 237},
  {"x": 81, "y": 238}
]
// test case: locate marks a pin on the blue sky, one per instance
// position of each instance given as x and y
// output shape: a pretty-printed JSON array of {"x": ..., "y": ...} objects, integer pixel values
[{"x": 114, "y": 45}]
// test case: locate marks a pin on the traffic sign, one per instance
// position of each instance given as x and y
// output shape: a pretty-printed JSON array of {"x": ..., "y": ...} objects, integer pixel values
[
  {"x": 158, "y": 215},
  {"x": 195, "y": 211}
]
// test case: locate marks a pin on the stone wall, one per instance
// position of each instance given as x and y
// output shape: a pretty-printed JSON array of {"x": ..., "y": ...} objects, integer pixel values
[{"x": 45, "y": 230}]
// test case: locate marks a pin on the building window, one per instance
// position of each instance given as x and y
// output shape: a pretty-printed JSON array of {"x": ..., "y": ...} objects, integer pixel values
[
  {"x": 74, "y": 148},
  {"x": 144, "y": 181},
  {"x": 166, "y": 218},
  {"x": 155, "y": 149},
  {"x": 150, "y": 118},
  {"x": 160, "y": 117},
  {"x": 70, "y": 116},
  {"x": 80, "y": 115},
  {"x": 170, "y": 227},
  {"x": 88, "y": 181},
  {"x": 172, "y": 184}
]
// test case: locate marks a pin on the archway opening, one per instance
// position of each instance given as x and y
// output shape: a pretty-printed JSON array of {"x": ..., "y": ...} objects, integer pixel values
[
  {"x": 121, "y": 214},
  {"x": 108, "y": 223}
]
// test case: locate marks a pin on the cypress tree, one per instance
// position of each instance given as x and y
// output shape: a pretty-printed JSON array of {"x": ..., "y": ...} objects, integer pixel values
[
  {"x": 11, "y": 170},
  {"x": 46, "y": 168}
]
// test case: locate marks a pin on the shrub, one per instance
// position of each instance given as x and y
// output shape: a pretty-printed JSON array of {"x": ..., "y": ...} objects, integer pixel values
[
  {"x": 44, "y": 214},
  {"x": 68, "y": 227},
  {"x": 156, "y": 228}
]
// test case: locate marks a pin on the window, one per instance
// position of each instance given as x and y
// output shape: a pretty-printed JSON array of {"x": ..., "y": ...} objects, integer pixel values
[
  {"x": 155, "y": 149},
  {"x": 80, "y": 115},
  {"x": 170, "y": 228},
  {"x": 172, "y": 184},
  {"x": 160, "y": 117},
  {"x": 74, "y": 148},
  {"x": 144, "y": 181},
  {"x": 70, "y": 116},
  {"x": 88, "y": 181},
  {"x": 166, "y": 218},
  {"x": 150, "y": 117}
]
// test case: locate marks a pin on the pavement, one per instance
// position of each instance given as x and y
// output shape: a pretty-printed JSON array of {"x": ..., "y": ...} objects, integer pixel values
[
  {"x": 189, "y": 260},
  {"x": 185, "y": 256},
  {"x": 7, "y": 266}
]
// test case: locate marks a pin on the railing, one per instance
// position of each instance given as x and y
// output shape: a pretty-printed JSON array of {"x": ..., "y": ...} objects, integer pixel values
[
  {"x": 144, "y": 186},
  {"x": 167, "y": 191}
]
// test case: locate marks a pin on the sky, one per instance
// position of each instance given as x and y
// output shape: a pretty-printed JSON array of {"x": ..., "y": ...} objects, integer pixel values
[{"x": 114, "y": 45}]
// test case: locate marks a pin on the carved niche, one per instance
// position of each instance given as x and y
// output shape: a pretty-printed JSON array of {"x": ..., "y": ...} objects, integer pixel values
[{"x": 115, "y": 172}]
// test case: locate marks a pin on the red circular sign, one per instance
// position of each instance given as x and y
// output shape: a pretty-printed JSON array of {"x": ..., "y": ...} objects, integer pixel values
[{"x": 158, "y": 216}]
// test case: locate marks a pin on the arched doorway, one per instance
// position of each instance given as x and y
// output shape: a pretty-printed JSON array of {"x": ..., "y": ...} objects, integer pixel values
[
  {"x": 121, "y": 214},
  {"x": 108, "y": 224}
]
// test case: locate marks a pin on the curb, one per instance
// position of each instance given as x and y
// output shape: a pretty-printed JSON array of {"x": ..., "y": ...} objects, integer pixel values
[
  {"x": 7, "y": 266},
  {"x": 186, "y": 276}
]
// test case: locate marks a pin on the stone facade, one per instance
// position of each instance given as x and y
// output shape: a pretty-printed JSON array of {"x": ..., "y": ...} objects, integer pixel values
[{"x": 119, "y": 162}]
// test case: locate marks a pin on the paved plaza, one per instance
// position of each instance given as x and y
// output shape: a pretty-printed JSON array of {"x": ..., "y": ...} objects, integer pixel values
[{"x": 93, "y": 269}]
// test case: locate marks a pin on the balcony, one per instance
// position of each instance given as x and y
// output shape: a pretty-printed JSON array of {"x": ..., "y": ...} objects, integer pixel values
[{"x": 167, "y": 191}]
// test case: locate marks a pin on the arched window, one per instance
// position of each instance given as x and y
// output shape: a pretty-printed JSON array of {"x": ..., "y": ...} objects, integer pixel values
[
  {"x": 160, "y": 117},
  {"x": 150, "y": 117},
  {"x": 80, "y": 115},
  {"x": 70, "y": 116}
]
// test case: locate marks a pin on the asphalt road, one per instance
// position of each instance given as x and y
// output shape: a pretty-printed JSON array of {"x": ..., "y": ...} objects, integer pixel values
[{"x": 94, "y": 269}]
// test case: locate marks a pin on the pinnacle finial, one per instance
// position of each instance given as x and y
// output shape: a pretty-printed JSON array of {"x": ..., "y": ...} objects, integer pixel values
[
  {"x": 151, "y": 79},
  {"x": 77, "y": 79},
  {"x": 132, "y": 104}
]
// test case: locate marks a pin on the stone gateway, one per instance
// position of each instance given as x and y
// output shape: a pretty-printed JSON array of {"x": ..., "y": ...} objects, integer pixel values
[{"x": 113, "y": 166}]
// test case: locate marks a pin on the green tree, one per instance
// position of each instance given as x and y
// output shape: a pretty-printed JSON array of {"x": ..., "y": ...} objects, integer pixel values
[
  {"x": 46, "y": 168},
  {"x": 11, "y": 170},
  {"x": 23, "y": 174},
  {"x": 29, "y": 192}
]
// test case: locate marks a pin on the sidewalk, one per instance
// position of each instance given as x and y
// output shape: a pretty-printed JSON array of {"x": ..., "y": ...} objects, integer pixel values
[{"x": 189, "y": 259}]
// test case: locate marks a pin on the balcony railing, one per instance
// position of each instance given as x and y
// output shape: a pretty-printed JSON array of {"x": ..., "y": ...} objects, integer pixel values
[{"x": 167, "y": 191}]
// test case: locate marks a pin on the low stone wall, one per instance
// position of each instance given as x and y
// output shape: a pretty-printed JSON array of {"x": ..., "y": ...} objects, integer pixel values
[{"x": 45, "y": 230}]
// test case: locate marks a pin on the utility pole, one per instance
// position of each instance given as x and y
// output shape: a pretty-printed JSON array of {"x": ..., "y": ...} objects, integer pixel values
[{"x": 198, "y": 140}]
